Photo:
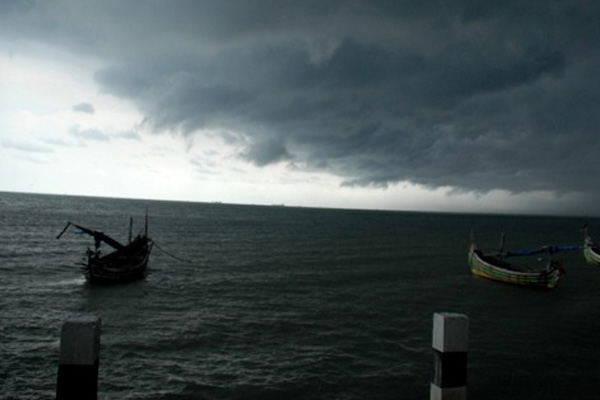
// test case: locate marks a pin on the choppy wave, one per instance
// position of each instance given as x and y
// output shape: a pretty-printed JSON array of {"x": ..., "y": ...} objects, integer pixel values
[{"x": 285, "y": 303}]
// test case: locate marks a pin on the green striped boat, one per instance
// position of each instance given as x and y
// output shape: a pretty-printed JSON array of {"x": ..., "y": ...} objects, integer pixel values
[
  {"x": 591, "y": 252},
  {"x": 491, "y": 267}
]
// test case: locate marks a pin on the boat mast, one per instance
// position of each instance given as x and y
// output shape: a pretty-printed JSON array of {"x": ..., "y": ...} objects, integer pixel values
[
  {"x": 130, "y": 227},
  {"x": 501, "y": 245},
  {"x": 146, "y": 224}
]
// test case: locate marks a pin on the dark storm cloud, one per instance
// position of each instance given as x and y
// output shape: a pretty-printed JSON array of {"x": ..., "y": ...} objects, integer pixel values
[
  {"x": 478, "y": 95},
  {"x": 265, "y": 152}
]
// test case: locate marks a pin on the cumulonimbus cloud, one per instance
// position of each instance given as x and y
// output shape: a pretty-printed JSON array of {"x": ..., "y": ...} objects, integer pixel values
[{"x": 473, "y": 95}]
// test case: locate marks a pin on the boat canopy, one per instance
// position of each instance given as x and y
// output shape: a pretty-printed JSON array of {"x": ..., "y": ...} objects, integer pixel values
[{"x": 542, "y": 250}]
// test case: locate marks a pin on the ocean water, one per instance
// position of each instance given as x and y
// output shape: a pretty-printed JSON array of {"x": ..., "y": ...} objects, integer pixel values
[{"x": 290, "y": 303}]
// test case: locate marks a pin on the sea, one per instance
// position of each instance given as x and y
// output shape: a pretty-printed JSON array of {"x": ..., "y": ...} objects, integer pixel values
[{"x": 277, "y": 302}]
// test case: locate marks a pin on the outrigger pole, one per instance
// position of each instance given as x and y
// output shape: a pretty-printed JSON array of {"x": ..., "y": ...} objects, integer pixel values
[{"x": 98, "y": 236}]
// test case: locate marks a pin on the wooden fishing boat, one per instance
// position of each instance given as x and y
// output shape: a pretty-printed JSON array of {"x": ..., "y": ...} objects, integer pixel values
[
  {"x": 126, "y": 263},
  {"x": 591, "y": 251},
  {"x": 494, "y": 266}
]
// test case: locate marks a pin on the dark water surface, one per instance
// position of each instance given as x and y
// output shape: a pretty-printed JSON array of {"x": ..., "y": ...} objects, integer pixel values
[{"x": 290, "y": 303}]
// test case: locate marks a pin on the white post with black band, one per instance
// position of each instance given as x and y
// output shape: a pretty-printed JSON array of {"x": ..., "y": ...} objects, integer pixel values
[
  {"x": 450, "y": 340},
  {"x": 79, "y": 359}
]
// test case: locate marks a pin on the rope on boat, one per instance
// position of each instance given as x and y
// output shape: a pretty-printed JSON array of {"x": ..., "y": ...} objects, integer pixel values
[{"x": 171, "y": 255}]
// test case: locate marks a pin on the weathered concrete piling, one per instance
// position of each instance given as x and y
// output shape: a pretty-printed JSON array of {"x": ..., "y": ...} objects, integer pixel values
[
  {"x": 79, "y": 359},
  {"x": 450, "y": 340}
]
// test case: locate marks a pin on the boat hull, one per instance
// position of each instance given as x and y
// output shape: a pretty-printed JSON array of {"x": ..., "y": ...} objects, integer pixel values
[
  {"x": 124, "y": 265},
  {"x": 591, "y": 253},
  {"x": 480, "y": 266}
]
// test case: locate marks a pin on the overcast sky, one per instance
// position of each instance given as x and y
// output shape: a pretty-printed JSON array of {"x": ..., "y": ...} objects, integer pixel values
[{"x": 471, "y": 105}]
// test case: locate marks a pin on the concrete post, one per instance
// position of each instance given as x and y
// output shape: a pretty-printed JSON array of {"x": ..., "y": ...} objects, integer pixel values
[
  {"x": 79, "y": 359},
  {"x": 450, "y": 340}
]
